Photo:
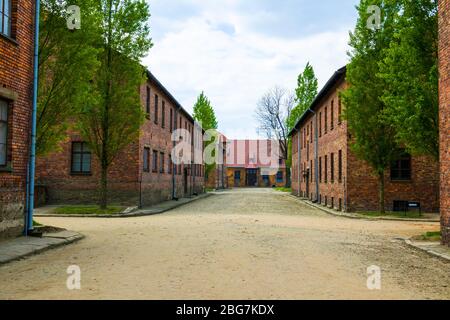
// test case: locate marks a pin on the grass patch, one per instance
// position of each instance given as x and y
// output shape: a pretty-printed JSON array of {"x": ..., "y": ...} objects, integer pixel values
[
  {"x": 209, "y": 189},
  {"x": 429, "y": 236},
  {"x": 405, "y": 215},
  {"x": 283, "y": 189},
  {"x": 36, "y": 224},
  {"x": 87, "y": 210}
]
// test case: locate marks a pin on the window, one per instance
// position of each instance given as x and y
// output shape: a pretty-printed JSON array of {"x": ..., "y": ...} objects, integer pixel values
[
  {"x": 147, "y": 104},
  {"x": 304, "y": 137},
  {"x": 311, "y": 133},
  {"x": 5, "y": 17},
  {"x": 311, "y": 177},
  {"x": 156, "y": 109},
  {"x": 332, "y": 167},
  {"x": 161, "y": 162},
  {"x": 339, "y": 111},
  {"x": 320, "y": 169},
  {"x": 155, "y": 161},
  {"x": 326, "y": 169},
  {"x": 320, "y": 124},
  {"x": 163, "y": 115},
  {"x": 169, "y": 169},
  {"x": 146, "y": 160},
  {"x": 81, "y": 158},
  {"x": 332, "y": 115},
  {"x": 171, "y": 120},
  {"x": 3, "y": 132},
  {"x": 279, "y": 176},
  {"x": 340, "y": 166},
  {"x": 326, "y": 120},
  {"x": 401, "y": 169}
]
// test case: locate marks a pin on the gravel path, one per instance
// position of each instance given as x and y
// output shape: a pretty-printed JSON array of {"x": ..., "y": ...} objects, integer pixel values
[{"x": 240, "y": 244}]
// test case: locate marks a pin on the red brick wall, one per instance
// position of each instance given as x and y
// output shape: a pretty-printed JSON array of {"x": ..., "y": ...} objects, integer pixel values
[
  {"x": 16, "y": 74},
  {"x": 358, "y": 189},
  {"x": 128, "y": 183},
  {"x": 444, "y": 66}
]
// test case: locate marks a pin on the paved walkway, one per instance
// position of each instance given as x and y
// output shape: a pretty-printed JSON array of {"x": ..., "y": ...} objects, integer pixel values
[
  {"x": 239, "y": 244},
  {"x": 22, "y": 247}
]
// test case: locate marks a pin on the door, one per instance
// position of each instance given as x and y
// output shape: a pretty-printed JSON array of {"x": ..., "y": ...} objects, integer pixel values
[
  {"x": 307, "y": 182},
  {"x": 266, "y": 181},
  {"x": 237, "y": 179},
  {"x": 252, "y": 177}
]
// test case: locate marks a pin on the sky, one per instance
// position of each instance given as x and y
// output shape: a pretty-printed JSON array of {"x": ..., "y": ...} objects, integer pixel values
[{"x": 237, "y": 50}]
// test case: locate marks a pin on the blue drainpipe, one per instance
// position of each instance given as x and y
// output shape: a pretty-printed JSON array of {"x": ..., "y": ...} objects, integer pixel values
[{"x": 32, "y": 160}]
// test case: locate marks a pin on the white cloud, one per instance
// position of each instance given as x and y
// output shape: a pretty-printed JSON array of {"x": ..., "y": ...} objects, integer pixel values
[{"x": 236, "y": 68}]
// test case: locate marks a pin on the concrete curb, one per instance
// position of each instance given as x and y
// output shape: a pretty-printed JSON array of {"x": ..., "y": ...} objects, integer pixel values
[
  {"x": 355, "y": 216},
  {"x": 429, "y": 249},
  {"x": 19, "y": 248},
  {"x": 137, "y": 213}
]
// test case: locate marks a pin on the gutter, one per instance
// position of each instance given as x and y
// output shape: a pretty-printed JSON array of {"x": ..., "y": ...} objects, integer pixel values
[{"x": 32, "y": 159}]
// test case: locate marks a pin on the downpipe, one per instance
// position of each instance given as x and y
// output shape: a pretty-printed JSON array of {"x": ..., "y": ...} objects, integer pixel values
[{"x": 32, "y": 160}]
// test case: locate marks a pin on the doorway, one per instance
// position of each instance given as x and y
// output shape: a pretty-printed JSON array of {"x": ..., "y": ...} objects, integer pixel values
[{"x": 252, "y": 177}]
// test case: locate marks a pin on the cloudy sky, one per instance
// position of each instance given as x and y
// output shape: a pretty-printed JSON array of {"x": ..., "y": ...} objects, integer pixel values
[{"x": 236, "y": 50}]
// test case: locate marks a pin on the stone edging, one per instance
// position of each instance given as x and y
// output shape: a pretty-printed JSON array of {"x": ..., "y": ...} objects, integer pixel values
[
  {"x": 354, "y": 216},
  {"x": 432, "y": 252},
  {"x": 135, "y": 213}
]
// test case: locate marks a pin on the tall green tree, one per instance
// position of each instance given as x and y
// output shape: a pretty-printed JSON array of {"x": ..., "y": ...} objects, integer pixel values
[
  {"x": 410, "y": 71},
  {"x": 113, "y": 120},
  {"x": 305, "y": 93},
  {"x": 204, "y": 114},
  {"x": 373, "y": 137},
  {"x": 67, "y": 62}
]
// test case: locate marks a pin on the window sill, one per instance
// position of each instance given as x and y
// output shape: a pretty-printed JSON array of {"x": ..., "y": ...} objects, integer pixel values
[
  {"x": 401, "y": 180},
  {"x": 81, "y": 174},
  {"x": 8, "y": 38},
  {"x": 7, "y": 169}
]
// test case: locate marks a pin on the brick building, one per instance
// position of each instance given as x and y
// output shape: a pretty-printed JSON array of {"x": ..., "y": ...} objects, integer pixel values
[
  {"x": 326, "y": 171},
  {"x": 444, "y": 67},
  {"x": 251, "y": 163},
  {"x": 142, "y": 174},
  {"x": 16, "y": 75}
]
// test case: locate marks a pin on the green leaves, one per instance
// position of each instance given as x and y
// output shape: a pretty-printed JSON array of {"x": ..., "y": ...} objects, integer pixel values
[
  {"x": 409, "y": 69},
  {"x": 307, "y": 88},
  {"x": 204, "y": 113}
]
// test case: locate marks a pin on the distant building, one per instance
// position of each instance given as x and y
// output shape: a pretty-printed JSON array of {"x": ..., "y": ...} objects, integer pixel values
[
  {"x": 142, "y": 174},
  {"x": 334, "y": 177},
  {"x": 444, "y": 89},
  {"x": 254, "y": 163},
  {"x": 16, "y": 87}
]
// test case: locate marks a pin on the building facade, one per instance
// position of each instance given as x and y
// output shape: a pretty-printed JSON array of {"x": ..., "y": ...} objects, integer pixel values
[
  {"x": 444, "y": 90},
  {"x": 16, "y": 76},
  {"x": 143, "y": 174},
  {"x": 251, "y": 163},
  {"x": 325, "y": 170}
]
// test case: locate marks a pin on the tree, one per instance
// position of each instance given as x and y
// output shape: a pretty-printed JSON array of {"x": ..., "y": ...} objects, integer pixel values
[
  {"x": 307, "y": 88},
  {"x": 113, "y": 120},
  {"x": 410, "y": 71},
  {"x": 272, "y": 113},
  {"x": 204, "y": 114},
  {"x": 373, "y": 137},
  {"x": 67, "y": 62}
]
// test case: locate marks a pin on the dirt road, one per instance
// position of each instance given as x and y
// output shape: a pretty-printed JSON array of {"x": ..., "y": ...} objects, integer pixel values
[{"x": 245, "y": 244}]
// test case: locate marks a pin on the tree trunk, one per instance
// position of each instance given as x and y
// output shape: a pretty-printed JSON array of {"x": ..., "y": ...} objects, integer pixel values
[
  {"x": 288, "y": 177},
  {"x": 104, "y": 188},
  {"x": 381, "y": 186}
]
